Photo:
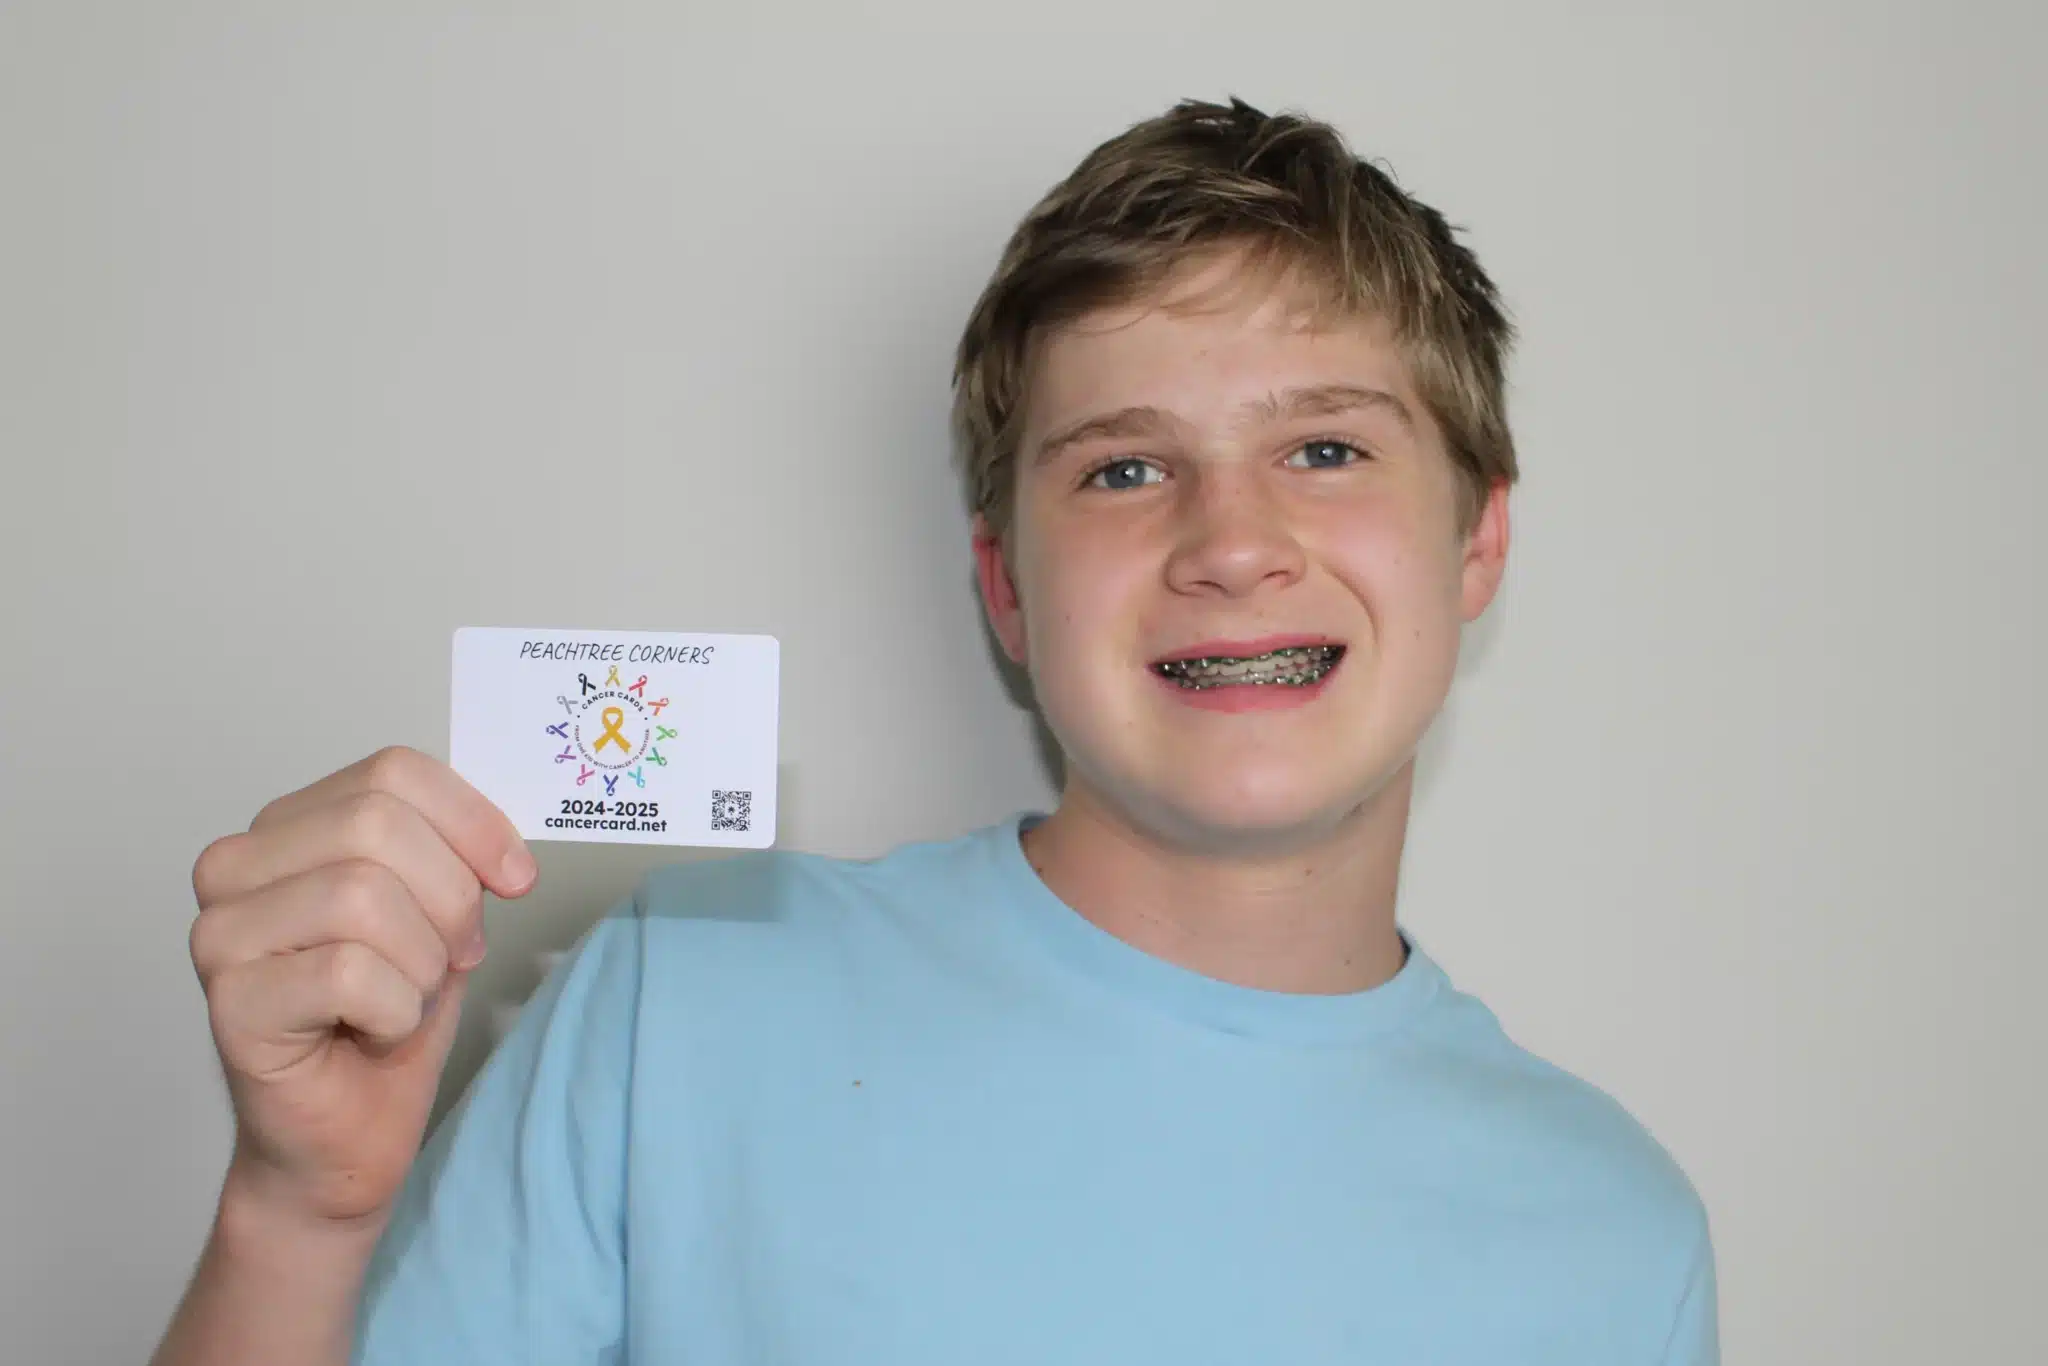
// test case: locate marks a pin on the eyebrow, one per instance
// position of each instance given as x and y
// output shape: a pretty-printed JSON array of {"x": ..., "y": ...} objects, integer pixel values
[{"x": 1317, "y": 400}]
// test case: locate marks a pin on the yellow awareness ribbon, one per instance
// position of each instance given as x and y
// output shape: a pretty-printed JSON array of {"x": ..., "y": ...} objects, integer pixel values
[{"x": 613, "y": 718}]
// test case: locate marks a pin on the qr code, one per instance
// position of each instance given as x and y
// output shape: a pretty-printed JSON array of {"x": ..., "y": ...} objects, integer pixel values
[{"x": 732, "y": 810}]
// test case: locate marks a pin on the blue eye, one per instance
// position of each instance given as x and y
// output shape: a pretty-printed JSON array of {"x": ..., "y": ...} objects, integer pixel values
[
  {"x": 1325, "y": 455},
  {"x": 1124, "y": 474}
]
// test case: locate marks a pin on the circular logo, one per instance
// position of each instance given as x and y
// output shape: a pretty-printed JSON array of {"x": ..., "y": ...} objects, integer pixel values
[{"x": 612, "y": 728}]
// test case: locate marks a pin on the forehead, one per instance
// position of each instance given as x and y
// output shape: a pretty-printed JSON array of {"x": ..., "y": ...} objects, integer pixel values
[{"x": 1215, "y": 337}]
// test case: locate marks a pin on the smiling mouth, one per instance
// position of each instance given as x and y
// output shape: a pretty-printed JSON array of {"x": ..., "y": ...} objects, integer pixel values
[{"x": 1297, "y": 667}]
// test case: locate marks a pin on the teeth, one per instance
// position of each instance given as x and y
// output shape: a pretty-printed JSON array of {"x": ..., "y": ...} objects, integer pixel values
[{"x": 1304, "y": 665}]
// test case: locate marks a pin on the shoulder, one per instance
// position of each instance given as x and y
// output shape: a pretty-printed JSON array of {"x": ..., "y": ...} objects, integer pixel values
[
  {"x": 775, "y": 939},
  {"x": 792, "y": 890},
  {"x": 1618, "y": 1228},
  {"x": 1557, "y": 1136}
]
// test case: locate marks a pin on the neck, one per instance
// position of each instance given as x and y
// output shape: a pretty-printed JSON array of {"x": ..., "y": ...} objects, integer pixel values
[{"x": 1317, "y": 918}]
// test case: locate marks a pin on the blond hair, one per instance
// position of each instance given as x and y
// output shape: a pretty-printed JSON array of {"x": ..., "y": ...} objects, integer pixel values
[{"x": 1290, "y": 194}]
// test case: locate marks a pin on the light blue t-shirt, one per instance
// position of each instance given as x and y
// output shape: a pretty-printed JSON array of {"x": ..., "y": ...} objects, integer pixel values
[{"x": 918, "y": 1112}]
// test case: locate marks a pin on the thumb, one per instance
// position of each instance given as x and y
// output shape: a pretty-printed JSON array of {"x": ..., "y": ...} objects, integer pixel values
[{"x": 428, "y": 1044}]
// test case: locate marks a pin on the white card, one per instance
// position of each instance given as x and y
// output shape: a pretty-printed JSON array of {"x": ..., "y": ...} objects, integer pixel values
[{"x": 620, "y": 737}]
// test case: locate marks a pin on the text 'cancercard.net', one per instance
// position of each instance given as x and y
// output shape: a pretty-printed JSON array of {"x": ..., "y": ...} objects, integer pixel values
[{"x": 620, "y": 737}]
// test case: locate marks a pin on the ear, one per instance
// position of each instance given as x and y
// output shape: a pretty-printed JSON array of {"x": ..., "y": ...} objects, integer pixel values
[
  {"x": 1486, "y": 553},
  {"x": 999, "y": 591}
]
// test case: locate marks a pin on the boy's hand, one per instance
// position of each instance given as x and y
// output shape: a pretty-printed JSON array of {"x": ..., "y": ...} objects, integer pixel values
[{"x": 333, "y": 941}]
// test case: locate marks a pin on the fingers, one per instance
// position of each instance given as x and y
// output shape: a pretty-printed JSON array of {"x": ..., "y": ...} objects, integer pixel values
[
  {"x": 351, "y": 902},
  {"x": 354, "y": 832},
  {"x": 273, "y": 1011},
  {"x": 354, "y": 902},
  {"x": 479, "y": 833}
]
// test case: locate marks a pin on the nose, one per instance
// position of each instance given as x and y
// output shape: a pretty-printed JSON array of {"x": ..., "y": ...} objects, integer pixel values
[{"x": 1233, "y": 539}]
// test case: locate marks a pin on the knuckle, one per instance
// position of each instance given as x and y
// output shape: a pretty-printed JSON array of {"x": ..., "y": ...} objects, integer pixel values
[
  {"x": 370, "y": 820},
  {"x": 202, "y": 941},
  {"x": 391, "y": 766},
  {"x": 359, "y": 890},
  {"x": 210, "y": 871}
]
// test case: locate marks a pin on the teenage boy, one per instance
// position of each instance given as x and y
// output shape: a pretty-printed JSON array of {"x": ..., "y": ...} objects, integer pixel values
[{"x": 1157, "y": 1077}]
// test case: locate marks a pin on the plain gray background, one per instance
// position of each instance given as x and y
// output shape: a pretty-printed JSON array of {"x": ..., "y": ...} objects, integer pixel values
[{"x": 327, "y": 329}]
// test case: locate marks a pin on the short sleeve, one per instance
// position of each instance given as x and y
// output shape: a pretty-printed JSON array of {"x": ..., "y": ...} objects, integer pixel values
[
  {"x": 507, "y": 1241},
  {"x": 1696, "y": 1332}
]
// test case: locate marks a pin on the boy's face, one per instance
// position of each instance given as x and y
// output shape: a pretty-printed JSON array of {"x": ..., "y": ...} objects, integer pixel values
[{"x": 1224, "y": 480}]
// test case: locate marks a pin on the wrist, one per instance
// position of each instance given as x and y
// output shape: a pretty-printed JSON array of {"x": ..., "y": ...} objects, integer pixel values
[
  {"x": 260, "y": 1212},
  {"x": 276, "y": 1283}
]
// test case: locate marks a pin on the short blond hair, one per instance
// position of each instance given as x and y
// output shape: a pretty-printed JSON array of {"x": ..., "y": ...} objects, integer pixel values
[{"x": 1289, "y": 193}]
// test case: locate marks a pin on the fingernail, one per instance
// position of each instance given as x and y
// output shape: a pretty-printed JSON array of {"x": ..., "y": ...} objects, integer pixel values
[
  {"x": 519, "y": 869},
  {"x": 472, "y": 954}
]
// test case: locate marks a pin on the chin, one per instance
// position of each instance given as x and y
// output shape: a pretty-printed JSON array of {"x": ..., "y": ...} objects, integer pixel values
[
  {"x": 1262, "y": 783},
  {"x": 1274, "y": 811}
]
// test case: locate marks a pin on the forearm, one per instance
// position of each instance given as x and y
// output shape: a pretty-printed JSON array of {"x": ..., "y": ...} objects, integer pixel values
[{"x": 270, "y": 1289}]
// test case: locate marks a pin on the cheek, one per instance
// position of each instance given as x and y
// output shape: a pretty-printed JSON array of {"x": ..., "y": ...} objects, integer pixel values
[
  {"x": 1060, "y": 621},
  {"x": 1403, "y": 567},
  {"x": 1084, "y": 612},
  {"x": 1430, "y": 621},
  {"x": 1410, "y": 595}
]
